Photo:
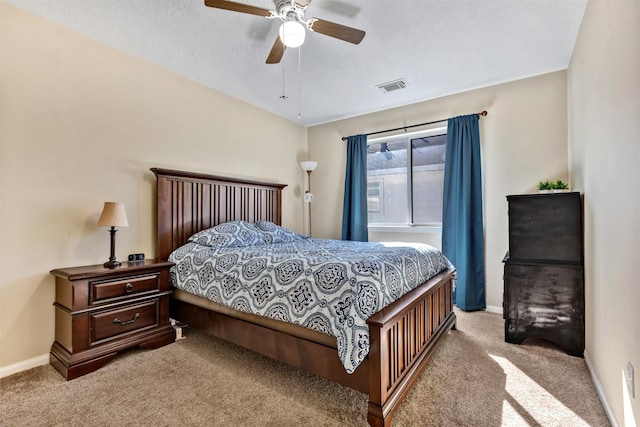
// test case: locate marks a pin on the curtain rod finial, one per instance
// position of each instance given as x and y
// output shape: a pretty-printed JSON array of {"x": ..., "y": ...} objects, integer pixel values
[{"x": 484, "y": 113}]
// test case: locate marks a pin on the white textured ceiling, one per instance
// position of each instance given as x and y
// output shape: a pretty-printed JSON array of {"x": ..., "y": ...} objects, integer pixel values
[{"x": 439, "y": 47}]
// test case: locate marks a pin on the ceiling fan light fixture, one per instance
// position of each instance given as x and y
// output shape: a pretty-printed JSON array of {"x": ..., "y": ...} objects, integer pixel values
[{"x": 292, "y": 34}]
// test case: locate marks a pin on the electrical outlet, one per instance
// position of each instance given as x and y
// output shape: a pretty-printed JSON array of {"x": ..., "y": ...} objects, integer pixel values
[
  {"x": 178, "y": 326},
  {"x": 630, "y": 381}
]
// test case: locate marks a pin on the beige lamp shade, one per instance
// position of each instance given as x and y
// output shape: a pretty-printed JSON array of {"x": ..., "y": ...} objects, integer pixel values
[{"x": 113, "y": 215}]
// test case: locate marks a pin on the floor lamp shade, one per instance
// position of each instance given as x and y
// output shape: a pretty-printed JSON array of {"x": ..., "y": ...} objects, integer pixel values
[
  {"x": 308, "y": 166},
  {"x": 113, "y": 215}
]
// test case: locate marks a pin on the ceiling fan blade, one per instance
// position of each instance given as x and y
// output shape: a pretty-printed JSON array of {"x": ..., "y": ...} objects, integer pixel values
[
  {"x": 331, "y": 29},
  {"x": 237, "y": 7},
  {"x": 276, "y": 52}
]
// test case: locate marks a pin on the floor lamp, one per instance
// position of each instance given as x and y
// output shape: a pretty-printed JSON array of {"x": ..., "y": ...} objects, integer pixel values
[{"x": 308, "y": 167}]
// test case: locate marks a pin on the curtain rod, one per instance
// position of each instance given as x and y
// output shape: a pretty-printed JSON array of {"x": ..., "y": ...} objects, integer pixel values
[{"x": 482, "y": 113}]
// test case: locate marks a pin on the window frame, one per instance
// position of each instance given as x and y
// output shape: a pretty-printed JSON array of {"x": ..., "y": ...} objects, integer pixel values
[{"x": 410, "y": 226}]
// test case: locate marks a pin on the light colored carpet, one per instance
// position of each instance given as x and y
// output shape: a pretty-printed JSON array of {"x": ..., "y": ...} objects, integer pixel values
[{"x": 474, "y": 379}]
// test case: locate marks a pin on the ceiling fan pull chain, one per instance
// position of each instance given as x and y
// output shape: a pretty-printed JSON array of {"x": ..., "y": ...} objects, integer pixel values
[
  {"x": 283, "y": 97},
  {"x": 299, "y": 84}
]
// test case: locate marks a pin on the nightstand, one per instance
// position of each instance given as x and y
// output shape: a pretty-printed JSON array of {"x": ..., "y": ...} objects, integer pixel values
[{"x": 102, "y": 311}]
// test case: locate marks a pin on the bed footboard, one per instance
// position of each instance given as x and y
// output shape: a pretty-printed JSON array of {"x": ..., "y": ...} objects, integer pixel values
[{"x": 403, "y": 337}]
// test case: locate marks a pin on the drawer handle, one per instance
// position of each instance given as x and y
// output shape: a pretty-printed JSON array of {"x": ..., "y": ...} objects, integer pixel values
[
  {"x": 117, "y": 321},
  {"x": 128, "y": 287}
]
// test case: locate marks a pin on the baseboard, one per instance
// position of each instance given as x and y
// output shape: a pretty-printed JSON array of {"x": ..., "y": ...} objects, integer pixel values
[
  {"x": 603, "y": 399},
  {"x": 494, "y": 309},
  {"x": 34, "y": 362}
]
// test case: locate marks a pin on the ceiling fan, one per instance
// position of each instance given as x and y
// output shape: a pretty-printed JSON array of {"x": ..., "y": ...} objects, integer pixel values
[{"x": 292, "y": 31}]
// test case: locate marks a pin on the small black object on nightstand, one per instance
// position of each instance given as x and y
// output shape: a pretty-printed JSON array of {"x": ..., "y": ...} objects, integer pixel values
[{"x": 136, "y": 257}]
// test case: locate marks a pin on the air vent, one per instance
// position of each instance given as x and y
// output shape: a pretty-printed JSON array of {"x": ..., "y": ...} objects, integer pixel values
[{"x": 391, "y": 86}]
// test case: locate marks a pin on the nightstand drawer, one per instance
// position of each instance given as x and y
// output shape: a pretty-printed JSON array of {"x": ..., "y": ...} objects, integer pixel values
[
  {"x": 111, "y": 323},
  {"x": 122, "y": 288}
]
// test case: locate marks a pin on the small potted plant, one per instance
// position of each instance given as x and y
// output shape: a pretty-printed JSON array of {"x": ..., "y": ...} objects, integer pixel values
[
  {"x": 560, "y": 187},
  {"x": 545, "y": 187}
]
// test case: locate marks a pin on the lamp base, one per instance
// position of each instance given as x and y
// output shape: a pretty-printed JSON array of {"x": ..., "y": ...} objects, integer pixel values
[{"x": 112, "y": 264}]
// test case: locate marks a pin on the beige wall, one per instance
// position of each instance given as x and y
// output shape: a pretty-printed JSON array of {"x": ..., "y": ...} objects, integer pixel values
[
  {"x": 604, "y": 146},
  {"x": 523, "y": 139},
  {"x": 81, "y": 124}
]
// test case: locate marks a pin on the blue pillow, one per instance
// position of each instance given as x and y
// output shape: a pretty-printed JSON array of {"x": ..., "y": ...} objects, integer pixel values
[
  {"x": 276, "y": 234},
  {"x": 230, "y": 234}
]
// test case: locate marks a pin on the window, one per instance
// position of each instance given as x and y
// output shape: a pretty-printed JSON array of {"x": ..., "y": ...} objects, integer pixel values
[{"x": 405, "y": 179}]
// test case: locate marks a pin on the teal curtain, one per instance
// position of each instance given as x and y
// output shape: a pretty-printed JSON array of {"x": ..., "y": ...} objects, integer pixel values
[
  {"x": 354, "y": 211},
  {"x": 462, "y": 225}
]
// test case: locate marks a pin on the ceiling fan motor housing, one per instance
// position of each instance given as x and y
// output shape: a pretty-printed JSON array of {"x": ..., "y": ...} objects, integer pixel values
[{"x": 289, "y": 10}]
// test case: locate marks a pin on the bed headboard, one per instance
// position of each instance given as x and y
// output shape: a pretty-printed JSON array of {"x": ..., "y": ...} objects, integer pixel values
[{"x": 189, "y": 202}]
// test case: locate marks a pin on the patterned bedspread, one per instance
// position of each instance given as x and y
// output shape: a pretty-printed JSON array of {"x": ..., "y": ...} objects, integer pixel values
[{"x": 330, "y": 286}]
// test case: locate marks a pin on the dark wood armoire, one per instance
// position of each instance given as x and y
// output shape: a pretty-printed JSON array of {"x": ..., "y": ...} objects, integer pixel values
[{"x": 543, "y": 270}]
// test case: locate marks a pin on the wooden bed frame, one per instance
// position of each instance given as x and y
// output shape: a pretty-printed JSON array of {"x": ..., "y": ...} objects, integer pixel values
[{"x": 403, "y": 335}]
